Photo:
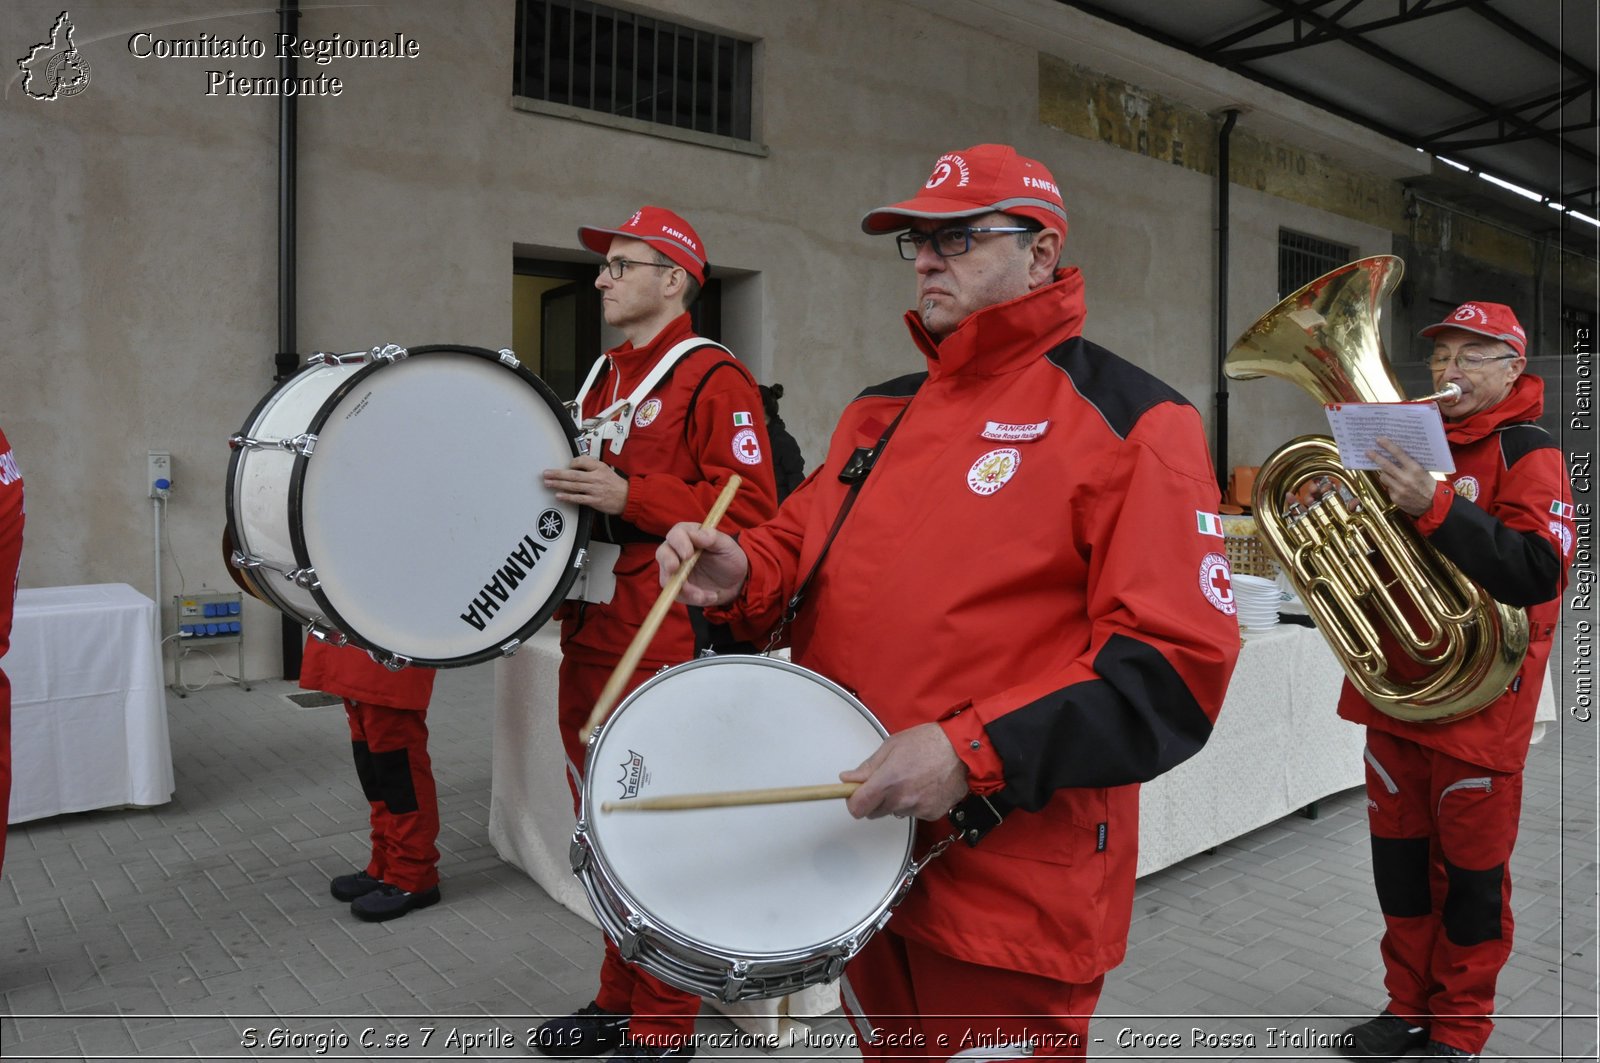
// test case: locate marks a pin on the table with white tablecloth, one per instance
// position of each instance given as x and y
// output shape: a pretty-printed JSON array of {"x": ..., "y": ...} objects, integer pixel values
[
  {"x": 1277, "y": 747},
  {"x": 88, "y": 708}
]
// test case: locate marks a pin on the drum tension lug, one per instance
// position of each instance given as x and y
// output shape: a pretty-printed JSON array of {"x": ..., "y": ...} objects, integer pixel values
[
  {"x": 304, "y": 578},
  {"x": 578, "y": 851},
  {"x": 392, "y": 661},
  {"x": 509, "y": 357},
  {"x": 734, "y": 982},
  {"x": 507, "y": 649},
  {"x": 390, "y": 352},
  {"x": 328, "y": 635},
  {"x": 240, "y": 559}
]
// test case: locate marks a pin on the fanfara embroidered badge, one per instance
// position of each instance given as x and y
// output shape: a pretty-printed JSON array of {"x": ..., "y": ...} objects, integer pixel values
[
  {"x": 1467, "y": 488},
  {"x": 649, "y": 410},
  {"x": 991, "y": 472},
  {"x": 746, "y": 447},
  {"x": 1216, "y": 582},
  {"x": 1015, "y": 433}
]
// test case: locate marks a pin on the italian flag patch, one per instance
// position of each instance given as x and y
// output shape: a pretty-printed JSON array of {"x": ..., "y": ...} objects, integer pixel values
[
  {"x": 741, "y": 420},
  {"x": 1209, "y": 523},
  {"x": 1559, "y": 508}
]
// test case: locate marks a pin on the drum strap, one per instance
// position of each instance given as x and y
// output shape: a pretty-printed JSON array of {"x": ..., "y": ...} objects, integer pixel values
[
  {"x": 854, "y": 473},
  {"x": 615, "y": 421}
]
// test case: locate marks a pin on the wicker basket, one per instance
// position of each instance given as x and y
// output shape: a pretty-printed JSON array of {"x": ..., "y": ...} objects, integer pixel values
[{"x": 1246, "y": 552}]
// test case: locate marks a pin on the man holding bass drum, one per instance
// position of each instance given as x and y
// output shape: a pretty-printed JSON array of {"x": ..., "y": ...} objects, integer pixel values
[{"x": 672, "y": 417}]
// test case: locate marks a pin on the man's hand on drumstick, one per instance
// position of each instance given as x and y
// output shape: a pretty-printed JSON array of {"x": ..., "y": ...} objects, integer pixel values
[
  {"x": 719, "y": 574},
  {"x": 589, "y": 482},
  {"x": 914, "y": 773}
]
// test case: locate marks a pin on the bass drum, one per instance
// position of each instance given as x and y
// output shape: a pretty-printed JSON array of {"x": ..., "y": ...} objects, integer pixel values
[
  {"x": 393, "y": 499},
  {"x": 741, "y": 903}
]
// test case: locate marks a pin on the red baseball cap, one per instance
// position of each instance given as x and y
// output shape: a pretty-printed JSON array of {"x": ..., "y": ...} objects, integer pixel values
[
  {"x": 975, "y": 181},
  {"x": 662, "y": 230},
  {"x": 1494, "y": 320}
]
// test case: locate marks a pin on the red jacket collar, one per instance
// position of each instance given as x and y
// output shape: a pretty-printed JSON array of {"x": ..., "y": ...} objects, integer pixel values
[
  {"x": 1006, "y": 336},
  {"x": 634, "y": 362},
  {"x": 1524, "y": 403}
]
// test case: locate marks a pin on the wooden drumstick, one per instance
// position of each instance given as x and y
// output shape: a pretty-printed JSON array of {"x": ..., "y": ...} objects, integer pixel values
[
  {"x": 777, "y": 795},
  {"x": 652, "y": 621}
]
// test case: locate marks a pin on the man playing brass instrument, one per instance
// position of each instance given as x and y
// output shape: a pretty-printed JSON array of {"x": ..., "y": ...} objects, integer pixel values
[{"x": 1443, "y": 798}]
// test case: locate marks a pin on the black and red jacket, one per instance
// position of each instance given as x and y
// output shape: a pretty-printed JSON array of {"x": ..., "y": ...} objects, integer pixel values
[
  {"x": 1028, "y": 565},
  {"x": 1505, "y": 519}
]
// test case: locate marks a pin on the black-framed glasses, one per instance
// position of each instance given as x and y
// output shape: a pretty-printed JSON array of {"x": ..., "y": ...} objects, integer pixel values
[
  {"x": 1467, "y": 360},
  {"x": 950, "y": 241},
  {"x": 618, "y": 266}
]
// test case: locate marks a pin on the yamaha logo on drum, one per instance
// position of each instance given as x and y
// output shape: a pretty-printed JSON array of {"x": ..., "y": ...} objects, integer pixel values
[
  {"x": 551, "y": 525},
  {"x": 633, "y": 776},
  {"x": 497, "y": 591}
]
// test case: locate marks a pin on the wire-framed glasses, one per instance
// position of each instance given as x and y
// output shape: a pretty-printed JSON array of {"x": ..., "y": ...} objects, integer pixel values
[
  {"x": 617, "y": 266},
  {"x": 1467, "y": 360}
]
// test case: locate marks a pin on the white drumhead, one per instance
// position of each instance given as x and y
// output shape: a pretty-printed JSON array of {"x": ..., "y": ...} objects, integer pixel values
[
  {"x": 755, "y": 880},
  {"x": 423, "y": 511}
]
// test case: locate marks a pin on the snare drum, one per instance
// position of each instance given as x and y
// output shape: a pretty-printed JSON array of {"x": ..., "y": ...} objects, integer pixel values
[
  {"x": 739, "y": 903},
  {"x": 393, "y": 498}
]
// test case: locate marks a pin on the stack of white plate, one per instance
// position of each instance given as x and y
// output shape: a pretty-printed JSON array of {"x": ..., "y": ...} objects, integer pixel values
[{"x": 1257, "y": 600}]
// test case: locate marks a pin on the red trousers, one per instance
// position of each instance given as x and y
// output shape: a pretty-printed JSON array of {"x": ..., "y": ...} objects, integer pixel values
[
  {"x": 658, "y": 1009},
  {"x": 907, "y": 1001},
  {"x": 1442, "y": 834},
  {"x": 391, "y": 753}
]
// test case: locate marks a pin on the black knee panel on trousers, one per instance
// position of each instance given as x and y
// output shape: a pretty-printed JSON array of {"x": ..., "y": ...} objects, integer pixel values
[
  {"x": 364, "y": 770},
  {"x": 1472, "y": 905},
  {"x": 1400, "y": 871},
  {"x": 395, "y": 789}
]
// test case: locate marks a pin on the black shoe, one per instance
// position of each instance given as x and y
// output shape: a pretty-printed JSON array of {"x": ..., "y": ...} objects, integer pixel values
[
  {"x": 586, "y": 1032},
  {"x": 349, "y": 887},
  {"x": 637, "y": 1052},
  {"x": 1442, "y": 1053},
  {"x": 391, "y": 902},
  {"x": 1387, "y": 1037}
]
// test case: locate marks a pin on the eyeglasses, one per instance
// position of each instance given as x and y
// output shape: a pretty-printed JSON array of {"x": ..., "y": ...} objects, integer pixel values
[
  {"x": 618, "y": 266},
  {"x": 950, "y": 241},
  {"x": 1467, "y": 360}
]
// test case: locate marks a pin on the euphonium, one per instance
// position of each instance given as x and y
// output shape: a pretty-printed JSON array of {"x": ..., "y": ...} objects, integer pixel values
[{"x": 1416, "y": 637}]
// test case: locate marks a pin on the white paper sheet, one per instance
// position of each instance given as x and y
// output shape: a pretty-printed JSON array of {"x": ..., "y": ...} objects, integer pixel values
[{"x": 1415, "y": 427}]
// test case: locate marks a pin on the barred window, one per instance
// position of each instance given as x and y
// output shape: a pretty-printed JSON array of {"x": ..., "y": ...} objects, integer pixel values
[
  {"x": 1302, "y": 259},
  {"x": 603, "y": 59}
]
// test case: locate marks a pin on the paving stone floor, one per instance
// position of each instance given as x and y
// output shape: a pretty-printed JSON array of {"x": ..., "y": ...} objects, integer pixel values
[{"x": 203, "y": 929}]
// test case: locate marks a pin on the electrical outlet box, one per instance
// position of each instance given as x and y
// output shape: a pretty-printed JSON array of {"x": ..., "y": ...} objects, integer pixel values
[{"x": 158, "y": 466}]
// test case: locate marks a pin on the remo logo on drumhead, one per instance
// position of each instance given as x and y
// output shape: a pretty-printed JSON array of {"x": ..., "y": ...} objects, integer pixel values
[{"x": 633, "y": 776}]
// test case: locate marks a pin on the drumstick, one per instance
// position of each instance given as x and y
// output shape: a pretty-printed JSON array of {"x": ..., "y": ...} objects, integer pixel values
[
  {"x": 652, "y": 621},
  {"x": 777, "y": 795}
]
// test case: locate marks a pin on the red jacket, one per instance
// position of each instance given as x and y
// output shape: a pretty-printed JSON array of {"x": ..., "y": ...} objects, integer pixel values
[
  {"x": 1506, "y": 520},
  {"x": 350, "y": 672},
  {"x": 1027, "y": 565},
  {"x": 699, "y": 426},
  {"x": 12, "y": 517}
]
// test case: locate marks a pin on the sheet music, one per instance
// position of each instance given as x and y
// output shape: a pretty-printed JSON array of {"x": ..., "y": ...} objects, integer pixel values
[{"x": 1416, "y": 427}]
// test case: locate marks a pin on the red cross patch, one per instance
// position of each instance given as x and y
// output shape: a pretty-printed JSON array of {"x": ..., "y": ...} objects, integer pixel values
[
  {"x": 1216, "y": 583},
  {"x": 746, "y": 447}
]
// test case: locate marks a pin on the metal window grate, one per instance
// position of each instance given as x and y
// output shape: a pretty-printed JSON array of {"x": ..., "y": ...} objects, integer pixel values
[
  {"x": 1302, "y": 259},
  {"x": 599, "y": 58}
]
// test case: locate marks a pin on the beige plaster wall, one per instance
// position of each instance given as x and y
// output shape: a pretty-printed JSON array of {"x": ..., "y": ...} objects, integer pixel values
[{"x": 141, "y": 311}]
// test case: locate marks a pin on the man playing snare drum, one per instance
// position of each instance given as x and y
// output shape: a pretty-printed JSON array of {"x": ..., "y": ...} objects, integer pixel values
[
  {"x": 676, "y": 447},
  {"x": 1031, "y": 593}
]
